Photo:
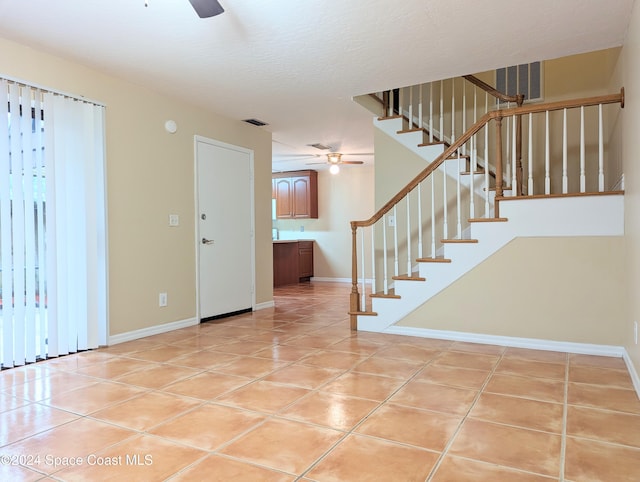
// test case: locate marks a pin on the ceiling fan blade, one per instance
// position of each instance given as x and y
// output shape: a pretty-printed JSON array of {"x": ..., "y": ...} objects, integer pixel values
[
  {"x": 314, "y": 163},
  {"x": 351, "y": 162},
  {"x": 207, "y": 8}
]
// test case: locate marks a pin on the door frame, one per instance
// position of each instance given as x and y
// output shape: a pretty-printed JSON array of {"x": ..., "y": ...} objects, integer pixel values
[{"x": 250, "y": 153}]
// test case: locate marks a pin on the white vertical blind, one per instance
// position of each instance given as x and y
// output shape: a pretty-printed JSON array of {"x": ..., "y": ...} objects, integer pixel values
[{"x": 52, "y": 225}]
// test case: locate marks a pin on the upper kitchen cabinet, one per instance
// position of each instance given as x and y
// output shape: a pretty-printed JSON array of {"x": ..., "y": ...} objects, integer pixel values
[{"x": 296, "y": 194}]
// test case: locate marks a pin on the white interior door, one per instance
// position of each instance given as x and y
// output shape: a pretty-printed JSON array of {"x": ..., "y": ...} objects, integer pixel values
[{"x": 225, "y": 228}]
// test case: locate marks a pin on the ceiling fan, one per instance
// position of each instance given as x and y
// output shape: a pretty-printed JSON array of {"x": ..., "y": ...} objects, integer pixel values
[
  {"x": 207, "y": 8},
  {"x": 204, "y": 8},
  {"x": 334, "y": 159}
]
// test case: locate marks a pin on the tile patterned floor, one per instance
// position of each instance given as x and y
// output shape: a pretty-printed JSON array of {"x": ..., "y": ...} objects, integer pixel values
[{"x": 290, "y": 394}]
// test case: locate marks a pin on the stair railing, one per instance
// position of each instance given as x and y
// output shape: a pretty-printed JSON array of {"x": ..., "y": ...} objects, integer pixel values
[
  {"x": 454, "y": 190},
  {"x": 442, "y": 109}
]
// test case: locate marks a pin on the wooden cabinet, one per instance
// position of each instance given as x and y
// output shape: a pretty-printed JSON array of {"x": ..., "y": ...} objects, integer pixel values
[
  {"x": 292, "y": 262},
  {"x": 296, "y": 194}
]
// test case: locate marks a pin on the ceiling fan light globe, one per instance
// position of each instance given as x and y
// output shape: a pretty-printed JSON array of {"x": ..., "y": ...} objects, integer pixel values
[{"x": 334, "y": 169}]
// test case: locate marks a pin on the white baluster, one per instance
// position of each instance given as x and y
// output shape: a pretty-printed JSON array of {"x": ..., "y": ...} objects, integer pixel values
[
  {"x": 385, "y": 260},
  {"x": 453, "y": 110},
  {"x": 431, "y": 112},
  {"x": 420, "y": 122},
  {"x": 565, "y": 177},
  {"x": 445, "y": 226},
  {"x": 514, "y": 155},
  {"x": 364, "y": 277},
  {"x": 373, "y": 259},
  {"x": 458, "y": 202},
  {"x": 487, "y": 207},
  {"x": 474, "y": 160},
  {"x": 530, "y": 156},
  {"x": 433, "y": 215},
  {"x": 410, "y": 108},
  {"x": 547, "y": 178},
  {"x": 600, "y": 150},
  {"x": 507, "y": 174},
  {"x": 420, "y": 220},
  {"x": 391, "y": 103},
  {"x": 583, "y": 178},
  {"x": 396, "y": 263},
  {"x": 442, "y": 138},
  {"x": 408, "y": 235},
  {"x": 464, "y": 113}
]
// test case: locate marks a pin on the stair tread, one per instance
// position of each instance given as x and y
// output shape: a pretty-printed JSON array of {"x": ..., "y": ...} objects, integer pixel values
[
  {"x": 433, "y": 260},
  {"x": 434, "y": 143},
  {"x": 459, "y": 240},
  {"x": 363, "y": 313},
  {"x": 488, "y": 220},
  {"x": 467, "y": 173},
  {"x": 390, "y": 294},
  {"x": 406, "y": 131},
  {"x": 404, "y": 277},
  {"x": 397, "y": 116}
]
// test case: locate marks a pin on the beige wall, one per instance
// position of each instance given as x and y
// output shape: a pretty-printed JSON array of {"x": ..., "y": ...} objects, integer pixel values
[
  {"x": 561, "y": 289},
  {"x": 150, "y": 175},
  {"x": 345, "y": 197},
  {"x": 630, "y": 69}
]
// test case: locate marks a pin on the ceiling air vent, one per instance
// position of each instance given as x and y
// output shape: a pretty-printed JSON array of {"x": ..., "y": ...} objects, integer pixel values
[
  {"x": 320, "y": 146},
  {"x": 255, "y": 122}
]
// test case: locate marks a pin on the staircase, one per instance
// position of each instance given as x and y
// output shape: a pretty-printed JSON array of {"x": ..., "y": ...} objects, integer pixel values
[{"x": 514, "y": 171}]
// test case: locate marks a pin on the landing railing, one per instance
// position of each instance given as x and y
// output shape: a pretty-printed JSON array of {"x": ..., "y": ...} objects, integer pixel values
[
  {"x": 445, "y": 108},
  {"x": 439, "y": 204}
]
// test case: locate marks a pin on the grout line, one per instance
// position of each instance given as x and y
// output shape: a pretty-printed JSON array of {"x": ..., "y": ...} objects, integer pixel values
[
  {"x": 444, "y": 452},
  {"x": 563, "y": 446}
]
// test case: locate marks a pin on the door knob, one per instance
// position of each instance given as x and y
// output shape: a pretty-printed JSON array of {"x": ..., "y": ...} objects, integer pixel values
[{"x": 207, "y": 241}]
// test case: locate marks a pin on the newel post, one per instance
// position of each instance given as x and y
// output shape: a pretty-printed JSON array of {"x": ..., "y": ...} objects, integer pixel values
[
  {"x": 519, "y": 102},
  {"x": 499, "y": 190},
  {"x": 354, "y": 300}
]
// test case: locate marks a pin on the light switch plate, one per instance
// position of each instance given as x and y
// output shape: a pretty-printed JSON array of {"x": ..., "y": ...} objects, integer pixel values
[{"x": 174, "y": 220}]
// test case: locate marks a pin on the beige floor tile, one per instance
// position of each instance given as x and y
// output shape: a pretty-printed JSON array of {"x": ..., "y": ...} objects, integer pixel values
[
  {"x": 16, "y": 473},
  {"x": 158, "y": 376},
  {"x": 114, "y": 367},
  {"x": 130, "y": 346},
  {"x": 263, "y": 396},
  {"x": 208, "y": 426},
  {"x": 402, "y": 369},
  {"x": 457, "y": 469},
  {"x": 514, "y": 366},
  {"x": 422, "y": 428},
  {"x": 453, "y": 376},
  {"x": 283, "y": 353},
  {"x": 146, "y": 410},
  {"x": 330, "y": 409},
  {"x": 476, "y": 361},
  {"x": 604, "y": 425},
  {"x": 284, "y": 445},
  {"x": 250, "y": 367},
  {"x": 598, "y": 361},
  {"x": 477, "y": 348},
  {"x": 221, "y": 469},
  {"x": 600, "y": 376},
  {"x": 352, "y": 345},
  {"x": 204, "y": 359},
  {"x": 532, "y": 414},
  {"x": 363, "y": 385},
  {"x": 440, "y": 398},
  {"x": 333, "y": 359},
  {"x": 29, "y": 420},
  {"x": 20, "y": 375},
  {"x": 243, "y": 347},
  {"x": 142, "y": 458},
  {"x": 312, "y": 341},
  {"x": 408, "y": 352},
  {"x": 518, "y": 448},
  {"x": 384, "y": 461},
  {"x": 588, "y": 460},
  {"x": 9, "y": 402},
  {"x": 77, "y": 438},
  {"x": 304, "y": 376},
  {"x": 46, "y": 386},
  {"x": 94, "y": 397},
  {"x": 527, "y": 387},
  {"x": 206, "y": 385},
  {"x": 598, "y": 396},
  {"x": 162, "y": 353},
  {"x": 536, "y": 355}
]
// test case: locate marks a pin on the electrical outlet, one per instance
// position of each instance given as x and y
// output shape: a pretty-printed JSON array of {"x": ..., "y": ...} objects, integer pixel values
[
  {"x": 392, "y": 221},
  {"x": 302, "y": 229},
  {"x": 162, "y": 299},
  {"x": 174, "y": 220}
]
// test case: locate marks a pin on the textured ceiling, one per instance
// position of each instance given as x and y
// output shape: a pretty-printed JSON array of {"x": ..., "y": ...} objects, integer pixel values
[{"x": 296, "y": 64}]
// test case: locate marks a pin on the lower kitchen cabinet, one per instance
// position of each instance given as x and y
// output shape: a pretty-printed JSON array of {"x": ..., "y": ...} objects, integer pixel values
[{"x": 292, "y": 262}]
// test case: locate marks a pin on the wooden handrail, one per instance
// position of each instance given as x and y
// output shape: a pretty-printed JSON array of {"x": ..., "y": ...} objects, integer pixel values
[
  {"x": 518, "y": 99},
  {"x": 485, "y": 119}
]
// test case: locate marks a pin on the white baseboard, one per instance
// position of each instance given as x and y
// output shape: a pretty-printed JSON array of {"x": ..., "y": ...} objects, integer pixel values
[
  {"x": 531, "y": 343},
  {"x": 152, "y": 330},
  {"x": 632, "y": 372},
  {"x": 266, "y": 304}
]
